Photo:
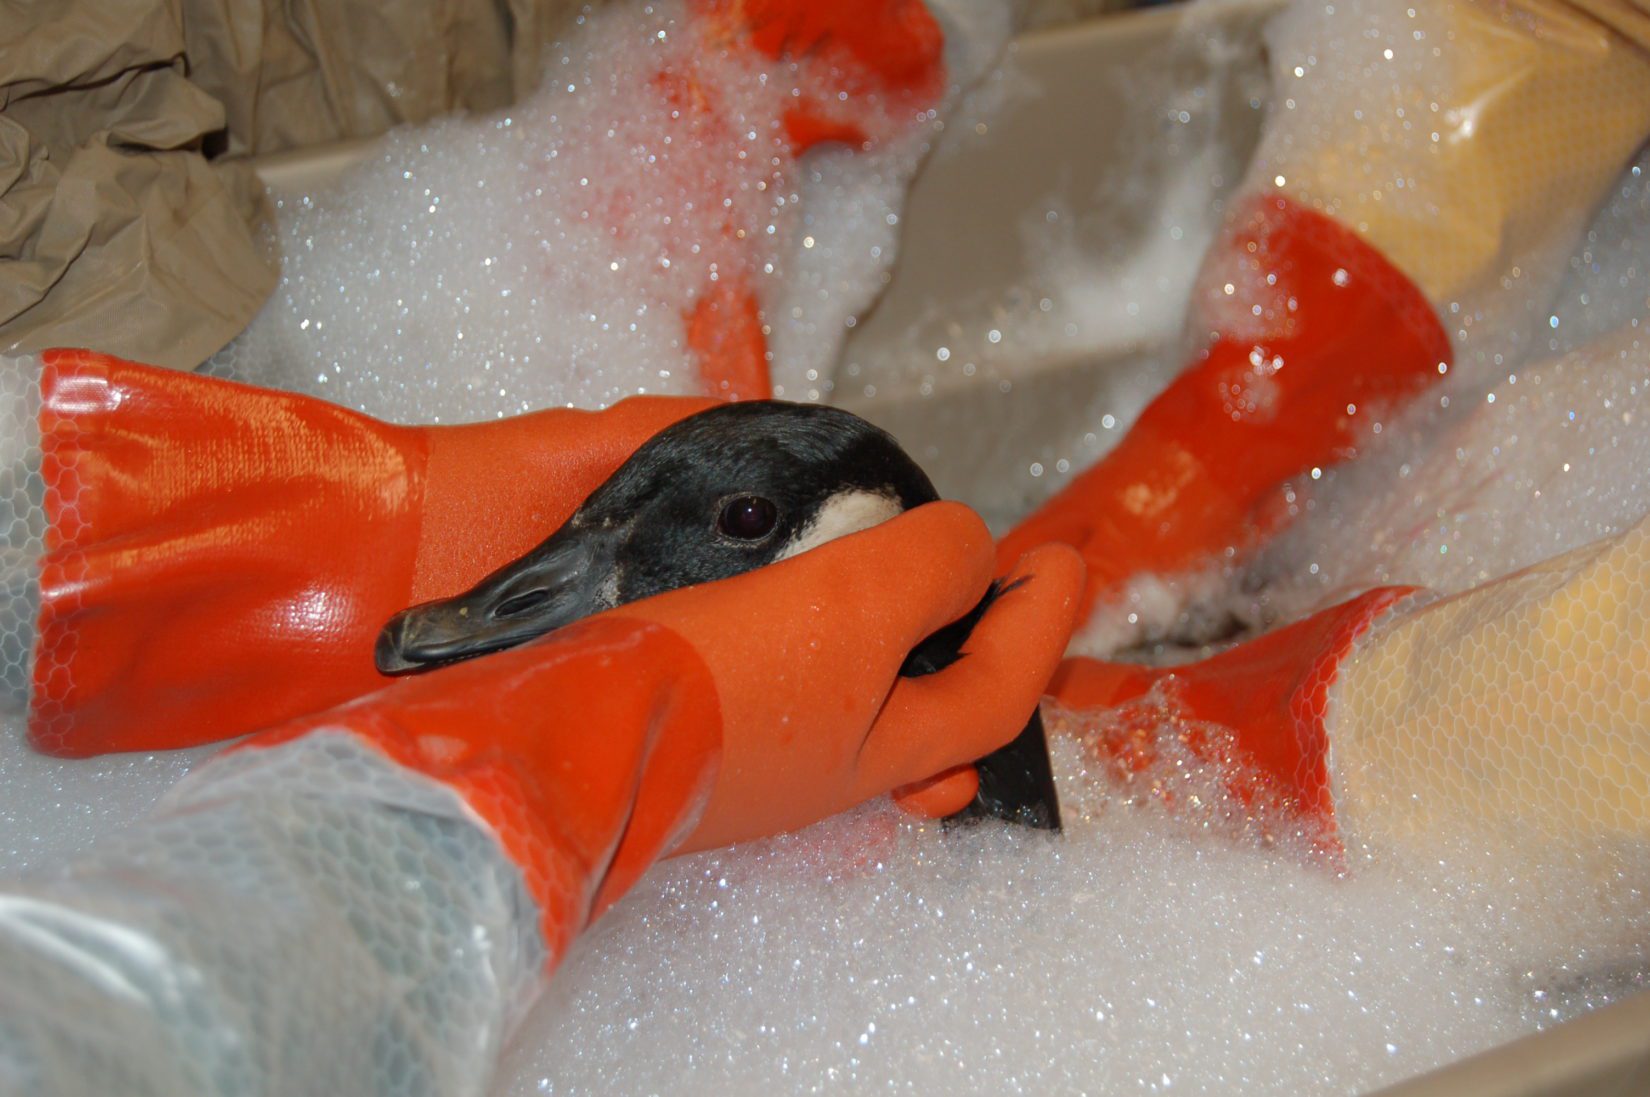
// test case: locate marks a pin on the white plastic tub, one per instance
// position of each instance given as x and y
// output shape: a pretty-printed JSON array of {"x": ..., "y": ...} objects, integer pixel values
[{"x": 1086, "y": 339}]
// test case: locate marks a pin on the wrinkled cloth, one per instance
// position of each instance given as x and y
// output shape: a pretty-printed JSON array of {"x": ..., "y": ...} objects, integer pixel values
[{"x": 129, "y": 218}]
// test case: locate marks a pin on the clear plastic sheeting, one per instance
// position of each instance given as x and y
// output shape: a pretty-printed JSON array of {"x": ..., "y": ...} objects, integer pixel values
[
  {"x": 1469, "y": 142},
  {"x": 310, "y": 918}
]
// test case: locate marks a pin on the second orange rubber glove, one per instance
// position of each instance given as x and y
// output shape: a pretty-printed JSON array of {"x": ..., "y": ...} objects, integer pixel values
[
  {"x": 1258, "y": 710},
  {"x": 736, "y": 709}
]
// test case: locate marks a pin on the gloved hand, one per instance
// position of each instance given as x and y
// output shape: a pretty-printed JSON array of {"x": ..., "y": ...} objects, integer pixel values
[
  {"x": 220, "y": 557},
  {"x": 417, "y": 860},
  {"x": 594, "y": 750},
  {"x": 1341, "y": 334},
  {"x": 1512, "y": 708},
  {"x": 1266, "y": 699},
  {"x": 863, "y": 620}
]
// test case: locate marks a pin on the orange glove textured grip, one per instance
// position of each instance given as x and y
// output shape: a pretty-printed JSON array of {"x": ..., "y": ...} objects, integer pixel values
[
  {"x": 1271, "y": 694},
  {"x": 220, "y": 557},
  {"x": 1343, "y": 334}
]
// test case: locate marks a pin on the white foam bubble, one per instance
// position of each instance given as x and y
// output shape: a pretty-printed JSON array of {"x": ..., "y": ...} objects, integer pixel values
[
  {"x": 1147, "y": 950},
  {"x": 54, "y": 808},
  {"x": 547, "y": 255}
]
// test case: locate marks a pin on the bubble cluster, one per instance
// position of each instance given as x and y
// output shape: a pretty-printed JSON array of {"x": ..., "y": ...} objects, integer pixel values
[
  {"x": 481, "y": 267},
  {"x": 1152, "y": 948}
]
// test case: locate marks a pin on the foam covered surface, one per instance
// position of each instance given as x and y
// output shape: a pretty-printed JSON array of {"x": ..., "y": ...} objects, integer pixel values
[
  {"x": 1146, "y": 951},
  {"x": 547, "y": 255}
]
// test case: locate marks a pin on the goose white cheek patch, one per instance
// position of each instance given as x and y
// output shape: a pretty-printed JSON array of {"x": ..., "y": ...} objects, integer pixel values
[{"x": 843, "y": 513}]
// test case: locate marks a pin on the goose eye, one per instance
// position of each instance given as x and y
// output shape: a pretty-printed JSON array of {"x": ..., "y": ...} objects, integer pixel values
[{"x": 748, "y": 518}]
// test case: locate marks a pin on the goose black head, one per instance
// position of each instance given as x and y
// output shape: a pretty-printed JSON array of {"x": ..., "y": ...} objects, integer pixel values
[{"x": 717, "y": 494}]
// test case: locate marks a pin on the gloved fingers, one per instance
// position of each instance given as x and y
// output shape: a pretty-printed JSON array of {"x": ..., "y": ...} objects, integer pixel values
[
  {"x": 941, "y": 795},
  {"x": 932, "y": 565},
  {"x": 895, "y": 584},
  {"x": 805, "y": 652},
  {"x": 977, "y": 704}
]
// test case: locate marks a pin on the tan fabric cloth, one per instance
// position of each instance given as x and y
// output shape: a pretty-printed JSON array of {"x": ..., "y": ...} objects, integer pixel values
[{"x": 128, "y": 219}]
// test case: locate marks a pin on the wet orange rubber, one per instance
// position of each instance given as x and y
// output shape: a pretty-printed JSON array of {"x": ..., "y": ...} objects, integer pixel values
[
  {"x": 220, "y": 557},
  {"x": 893, "y": 48},
  {"x": 858, "y": 606},
  {"x": 941, "y": 795},
  {"x": 724, "y": 331},
  {"x": 1271, "y": 693},
  {"x": 1186, "y": 482},
  {"x": 589, "y": 753}
]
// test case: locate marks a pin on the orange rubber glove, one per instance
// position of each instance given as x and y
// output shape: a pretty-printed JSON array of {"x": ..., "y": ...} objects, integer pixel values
[
  {"x": 1270, "y": 694},
  {"x": 220, "y": 558},
  {"x": 594, "y": 750},
  {"x": 864, "y": 70},
  {"x": 1341, "y": 334}
]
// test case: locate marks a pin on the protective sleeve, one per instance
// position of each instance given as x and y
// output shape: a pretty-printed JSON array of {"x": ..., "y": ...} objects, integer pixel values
[
  {"x": 364, "y": 901},
  {"x": 1517, "y": 706},
  {"x": 1628, "y": 18},
  {"x": 310, "y": 918}
]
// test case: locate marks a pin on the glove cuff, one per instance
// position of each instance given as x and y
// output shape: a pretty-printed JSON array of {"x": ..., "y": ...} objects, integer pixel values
[
  {"x": 1313, "y": 334},
  {"x": 1258, "y": 710},
  {"x": 213, "y": 554},
  {"x": 588, "y": 754}
]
